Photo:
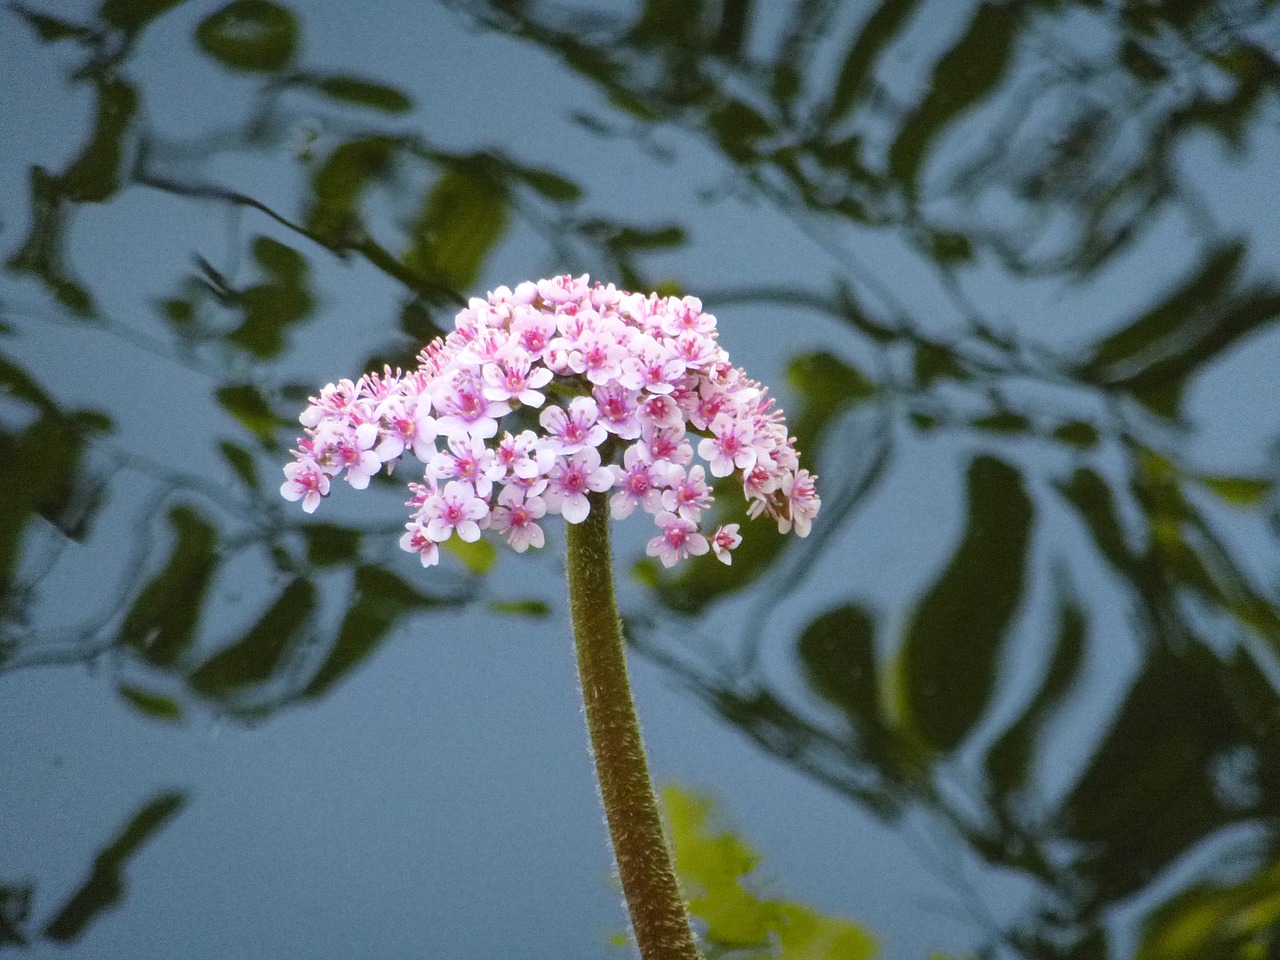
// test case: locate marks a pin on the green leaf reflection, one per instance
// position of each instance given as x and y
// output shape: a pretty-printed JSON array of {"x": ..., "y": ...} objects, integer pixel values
[
  {"x": 358, "y": 91},
  {"x": 952, "y": 647},
  {"x": 1211, "y": 920},
  {"x": 104, "y": 888},
  {"x": 255, "y": 657},
  {"x": 463, "y": 216},
  {"x": 256, "y": 36},
  {"x": 381, "y": 600},
  {"x": 714, "y": 868},
  {"x": 161, "y": 623}
]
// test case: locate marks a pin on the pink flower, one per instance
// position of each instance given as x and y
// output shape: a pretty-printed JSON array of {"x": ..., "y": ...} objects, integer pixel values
[
  {"x": 415, "y": 540},
  {"x": 564, "y": 289},
  {"x": 457, "y": 508},
  {"x": 523, "y": 456},
  {"x": 687, "y": 315},
  {"x": 662, "y": 411},
  {"x": 350, "y": 449},
  {"x": 514, "y": 380},
  {"x": 653, "y": 367},
  {"x": 687, "y": 493},
  {"x": 577, "y": 428},
  {"x": 466, "y": 409},
  {"x": 408, "y": 424},
  {"x": 725, "y": 540},
  {"x": 601, "y": 356},
  {"x": 570, "y": 481},
  {"x": 618, "y": 410},
  {"x": 637, "y": 482},
  {"x": 696, "y": 350},
  {"x": 470, "y": 460},
  {"x": 731, "y": 446},
  {"x": 643, "y": 380},
  {"x": 515, "y": 516},
  {"x": 306, "y": 482},
  {"x": 532, "y": 331},
  {"x": 679, "y": 539},
  {"x": 665, "y": 446},
  {"x": 802, "y": 500}
]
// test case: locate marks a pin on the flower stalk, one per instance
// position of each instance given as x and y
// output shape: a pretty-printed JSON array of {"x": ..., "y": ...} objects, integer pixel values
[
  {"x": 660, "y": 920},
  {"x": 644, "y": 386}
]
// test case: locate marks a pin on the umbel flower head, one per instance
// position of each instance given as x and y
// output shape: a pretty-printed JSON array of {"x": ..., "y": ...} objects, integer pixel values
[{"x": 546, "y": 393}]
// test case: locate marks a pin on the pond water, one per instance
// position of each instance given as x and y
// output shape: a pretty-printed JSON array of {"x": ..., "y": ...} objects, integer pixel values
[{"x": 1011, "y": 270}]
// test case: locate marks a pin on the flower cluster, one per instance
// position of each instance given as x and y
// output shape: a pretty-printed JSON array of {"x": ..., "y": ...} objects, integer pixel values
[{"x": 638, "y": 384}]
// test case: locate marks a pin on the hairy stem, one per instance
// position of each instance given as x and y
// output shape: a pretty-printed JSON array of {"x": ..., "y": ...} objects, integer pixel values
[{"x": 658, "y": 915}]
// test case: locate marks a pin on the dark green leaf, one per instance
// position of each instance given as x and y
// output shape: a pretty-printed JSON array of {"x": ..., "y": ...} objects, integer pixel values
[
  {"x": 1159, "y": 384},
  {"x": 550, "y": 185},
  {"x": 1170, "y": 801},
  {"x": 251, "y": 35},
  {"x": 627, "y": 239},
  {"x": 329, "y": 545},
  {"x": 739, "y": 128},
  {"x": 967, "y": 73},
  {"x": 280, "y": 261},
  {"x": 879, "y": 31},
  {"x": 1134, "y": 346},
  {"x": 132, "y": 16},
  {"x": 15, "y": 911},
  {"x": 104, "y": 887},
  {"x": 1077, "y": 433},
  {"x": 521, "y": 608},
  {"x": 1145, "y": 65},
  {"x": 948, "y": 246},
  {"x": 827, "y": 386},
  {"x": 417, "y": 321},
  {"x": 1003, "y": 422},
  {"x": 179, "y": 312},
  {"x": 934, "y": 361},
  {"x": 50, "y": 29},
  {"x": 339, "y": 184},
  {"x": 381, "y": 599},
  {"x": 161, "y": 623},
  {"x": 153, "y": 705},
  {"x": 1010, "y": 760},
  {"x": 17, "y": 383},
  {"x": 246, "y": 403},
  {"x": 255, "y": 657},
  {"x": 838, "y": 653},
  {"x": 462, "y": 220},
  {"x": 951, "y": 653},
  {"x": 1093, "y": 500},
  {"x": 41, "y": 254},
  {"x": 282, "y": 300},
  {"x": 241, "y": 461},
  {"x": 364, "y": 93},
  {"x": 40, "y": 474}
]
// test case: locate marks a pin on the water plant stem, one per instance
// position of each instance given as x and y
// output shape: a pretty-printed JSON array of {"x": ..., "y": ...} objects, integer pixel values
[{"x": 659, "y": 918}]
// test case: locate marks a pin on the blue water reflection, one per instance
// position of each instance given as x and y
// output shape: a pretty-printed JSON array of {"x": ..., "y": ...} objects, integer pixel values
[{"x": 1011, "y": 270}]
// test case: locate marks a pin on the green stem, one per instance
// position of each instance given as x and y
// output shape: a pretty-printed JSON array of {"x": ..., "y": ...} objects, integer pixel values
[{"x": 658, "y": 915}]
